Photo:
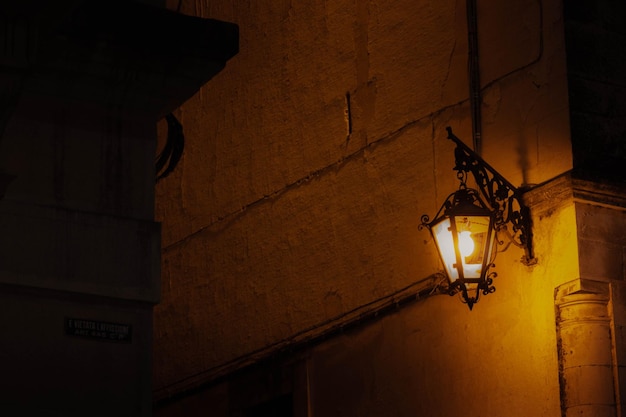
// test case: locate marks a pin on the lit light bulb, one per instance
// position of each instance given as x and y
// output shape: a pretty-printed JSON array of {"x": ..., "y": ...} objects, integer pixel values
[{"x": 466, "y": 243}]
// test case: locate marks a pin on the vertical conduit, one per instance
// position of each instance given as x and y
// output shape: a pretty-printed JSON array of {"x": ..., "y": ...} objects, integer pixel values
[{"x": 474, "y": 74}]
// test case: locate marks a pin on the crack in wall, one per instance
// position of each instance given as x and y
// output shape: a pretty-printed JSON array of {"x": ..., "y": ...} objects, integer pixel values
[
  {"x": 348, "y": 117},
  {"x": 235, "y": 214},
  {"x": 362, "y": 65}
]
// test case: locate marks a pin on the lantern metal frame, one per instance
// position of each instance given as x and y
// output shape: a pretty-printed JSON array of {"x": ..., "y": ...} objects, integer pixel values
[
  {"x": 463, "y": 209},
  {"x": 503, "y": 203}
]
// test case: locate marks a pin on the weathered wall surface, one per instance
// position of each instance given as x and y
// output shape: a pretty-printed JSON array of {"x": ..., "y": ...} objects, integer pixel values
[{"x": 308, "y": 164}]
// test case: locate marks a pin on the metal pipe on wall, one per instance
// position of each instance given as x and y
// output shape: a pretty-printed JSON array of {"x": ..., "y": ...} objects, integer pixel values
[{"x": 474, "y": 74}]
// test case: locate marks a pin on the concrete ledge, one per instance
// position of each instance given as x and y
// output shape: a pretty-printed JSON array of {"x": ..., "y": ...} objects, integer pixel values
[
  {"x": 570, "y": 187},
  {"x": 582, "y": 286}
]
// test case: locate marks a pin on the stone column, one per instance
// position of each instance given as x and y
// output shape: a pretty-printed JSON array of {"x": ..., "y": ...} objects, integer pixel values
[{"x": 585, "y": 347}]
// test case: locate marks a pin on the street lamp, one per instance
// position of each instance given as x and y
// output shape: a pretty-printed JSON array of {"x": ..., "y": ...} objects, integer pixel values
[{"x": 467, "y": 226}]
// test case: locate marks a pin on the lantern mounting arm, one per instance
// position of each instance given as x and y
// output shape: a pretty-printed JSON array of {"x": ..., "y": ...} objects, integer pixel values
[{"x": 499, "y": 193}]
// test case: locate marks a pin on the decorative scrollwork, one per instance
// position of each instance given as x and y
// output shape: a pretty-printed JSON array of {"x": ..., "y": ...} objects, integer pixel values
[
  {"x": 487, "y": 286},
  {"x": 425, "y": 222},
  {"x": 498, "y": 201},
  {"x": 505, "y": 199}
]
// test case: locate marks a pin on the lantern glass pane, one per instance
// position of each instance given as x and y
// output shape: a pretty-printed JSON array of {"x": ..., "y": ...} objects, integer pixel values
[
  {"x": 445, "y": 243},
  {"x": 473, "y": 235}
]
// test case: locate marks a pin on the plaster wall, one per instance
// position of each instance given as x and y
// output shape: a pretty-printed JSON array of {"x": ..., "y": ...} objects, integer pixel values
[
  {"x": 432, "y": 357},
  {"x": 307, "y": 167}
]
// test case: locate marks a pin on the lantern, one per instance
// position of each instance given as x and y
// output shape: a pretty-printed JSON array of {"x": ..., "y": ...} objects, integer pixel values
[
  {"x": 465, "y": 226},
  {"x": 464, "y": 232}
]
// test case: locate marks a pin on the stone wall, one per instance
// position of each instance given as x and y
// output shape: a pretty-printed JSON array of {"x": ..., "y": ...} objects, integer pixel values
[{"x": 307, "y": 168}]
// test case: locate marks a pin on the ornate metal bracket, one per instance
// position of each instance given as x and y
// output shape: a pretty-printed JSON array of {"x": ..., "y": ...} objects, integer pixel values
[{"x": 500, "y": 194}]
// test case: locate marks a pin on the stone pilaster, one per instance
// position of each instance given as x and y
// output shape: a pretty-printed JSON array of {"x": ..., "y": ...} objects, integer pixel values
[{"x": 586, "y": 345}]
